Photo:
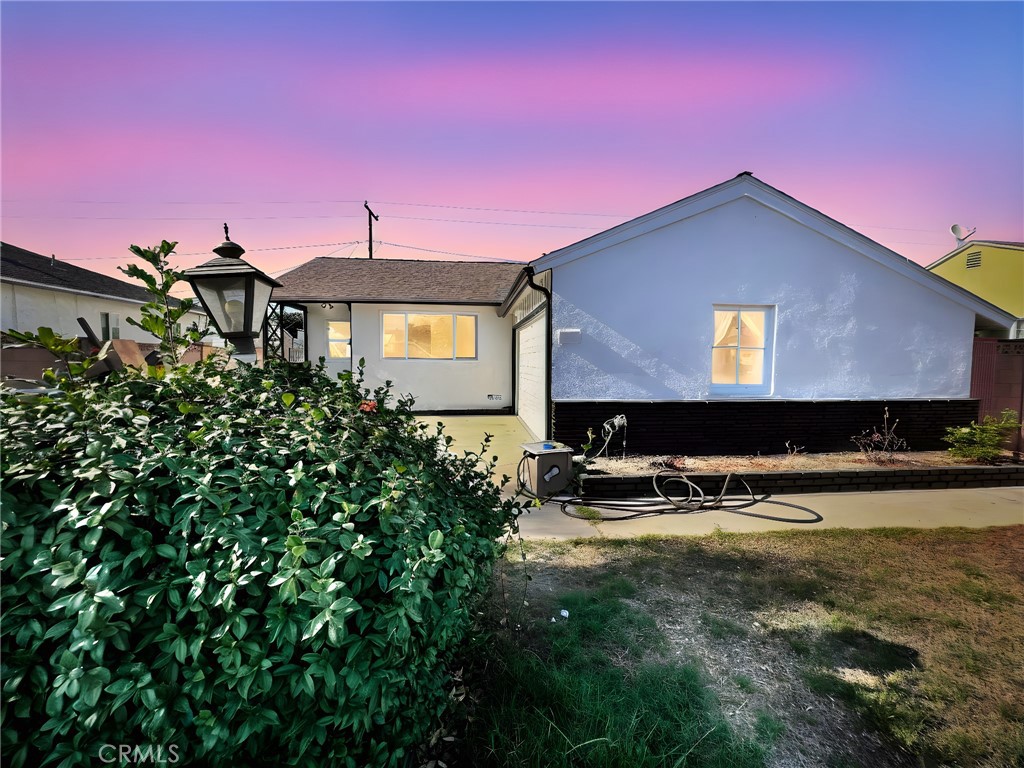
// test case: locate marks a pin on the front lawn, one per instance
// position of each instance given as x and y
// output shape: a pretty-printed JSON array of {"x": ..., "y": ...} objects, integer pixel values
[{"x": 828, "y": 648}]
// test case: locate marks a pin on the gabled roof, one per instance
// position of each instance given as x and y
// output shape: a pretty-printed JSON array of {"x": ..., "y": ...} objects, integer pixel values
[
  {"x": 20, "y": 266},
  {"x": 747, "y": 185},
  {"x": 971, "y": 244},
  {"x": 397, "y": 280}
]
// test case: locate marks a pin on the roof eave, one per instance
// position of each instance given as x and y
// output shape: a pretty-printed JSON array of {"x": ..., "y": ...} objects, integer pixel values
[
  {"x": 306, "y": 299},
  {"x": 513, "y": 292}
]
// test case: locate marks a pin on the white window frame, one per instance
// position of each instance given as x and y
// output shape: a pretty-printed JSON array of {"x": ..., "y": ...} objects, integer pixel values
[
  {"x": 455, "y": 342},
  {"x": 768, "y": 372},
  {"x": 329, "y": 338}
]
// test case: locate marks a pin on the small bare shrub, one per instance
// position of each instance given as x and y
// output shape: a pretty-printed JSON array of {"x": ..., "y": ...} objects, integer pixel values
[{"x": 881, "y": 445}]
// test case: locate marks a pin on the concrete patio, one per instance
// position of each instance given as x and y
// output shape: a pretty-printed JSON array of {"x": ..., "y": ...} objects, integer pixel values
[{"x": 467, "y": 433}]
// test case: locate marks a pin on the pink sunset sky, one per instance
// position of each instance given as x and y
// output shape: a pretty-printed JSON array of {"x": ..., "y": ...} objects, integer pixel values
[{"x": 496, "y": 130}]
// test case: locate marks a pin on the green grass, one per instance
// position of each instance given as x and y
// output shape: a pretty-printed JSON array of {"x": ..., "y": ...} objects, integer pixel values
[
  {"x": 595, "y": 690},
  {"x": 744, "y": 683},
  {"x": 891, "y": 709},
  {"x": 722, "y": 628},
  {"x": 589, "y": 514},
  {"x": 984, "y": 594}
]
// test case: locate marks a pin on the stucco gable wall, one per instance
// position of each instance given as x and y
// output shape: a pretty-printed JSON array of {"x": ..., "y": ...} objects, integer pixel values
[
  {"x": 999, "y": 279},
  {"x": 846, "y": 325}
]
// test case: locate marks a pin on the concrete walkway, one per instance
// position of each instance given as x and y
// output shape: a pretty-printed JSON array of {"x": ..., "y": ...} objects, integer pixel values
[
  {"x": 966, "y": 507},
  {"x": 963, "y": 507}
]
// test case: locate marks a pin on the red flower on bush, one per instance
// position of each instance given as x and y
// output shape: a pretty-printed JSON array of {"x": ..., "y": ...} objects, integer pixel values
[{"x": 368, "y": 406}]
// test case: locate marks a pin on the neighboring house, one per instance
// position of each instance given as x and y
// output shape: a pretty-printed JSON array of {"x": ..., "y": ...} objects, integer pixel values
[
  {"x": 992, "y": 270},
  {"x": 738, "y": 319},
  {"x": 43, "y": 291},
  {"x": 431, "y": 327}
]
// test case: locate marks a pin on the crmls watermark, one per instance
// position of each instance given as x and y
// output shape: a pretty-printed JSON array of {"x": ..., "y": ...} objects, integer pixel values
[{"x": 139, "y": 754}]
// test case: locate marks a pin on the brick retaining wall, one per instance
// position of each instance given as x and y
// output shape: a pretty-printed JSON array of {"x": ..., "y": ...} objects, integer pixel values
[{"x": 834, "y": 481}]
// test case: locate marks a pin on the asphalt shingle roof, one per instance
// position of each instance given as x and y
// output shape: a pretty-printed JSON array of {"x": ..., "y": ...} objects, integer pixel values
[
  {"x": 18, "y": 264},
  {"x": 398, "y": 280}
]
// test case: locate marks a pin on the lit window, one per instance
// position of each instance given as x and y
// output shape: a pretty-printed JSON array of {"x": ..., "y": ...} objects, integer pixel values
[
  {"x": 110, "y": 327},
  {"x": 741, "y": 354},
  {"x": 429, "y": 336},
  {"x": 339, "y": 339}
]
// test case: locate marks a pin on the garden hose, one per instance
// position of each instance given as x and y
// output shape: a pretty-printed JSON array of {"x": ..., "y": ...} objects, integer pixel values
[{"x": 695, "y": 501}]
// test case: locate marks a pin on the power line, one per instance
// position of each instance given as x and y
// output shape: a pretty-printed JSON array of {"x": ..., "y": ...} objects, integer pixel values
[
  {"x": 181, "y": 202},
  {"x": 378, "y": 202},
  {"x": 389, "y": 203},
  {"x": 492, "y": 223},
  {"x": 284, "y": 247},
  {"x": 268, "y": 218},
  {"x": 177, "y": 218},
  {"x": 451, "y": 253},
  {"x": 501, "y": 210},
  {"x": 321, "y": 202},
  {"x": 204, "y": 253},
  {"x": 338, "y": 246},
  {"x": 878, "y": 226}
]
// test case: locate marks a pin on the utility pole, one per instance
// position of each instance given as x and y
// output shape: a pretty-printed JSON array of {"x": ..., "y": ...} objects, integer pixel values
[{"x": 372, "y": 217}]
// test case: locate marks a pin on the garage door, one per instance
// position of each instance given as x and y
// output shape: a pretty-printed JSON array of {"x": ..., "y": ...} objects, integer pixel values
[{"x": 531, "y": 374}]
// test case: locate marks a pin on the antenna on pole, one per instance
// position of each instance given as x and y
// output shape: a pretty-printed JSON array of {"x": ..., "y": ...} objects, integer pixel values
[{"x": 372, "y": 217}]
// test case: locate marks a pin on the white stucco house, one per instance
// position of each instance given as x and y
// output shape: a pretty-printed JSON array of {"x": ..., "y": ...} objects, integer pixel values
[
  {"x": 43, "y": 291},
  {"x": 734, "y": 320},
  {"x": 431, "y": 327}
]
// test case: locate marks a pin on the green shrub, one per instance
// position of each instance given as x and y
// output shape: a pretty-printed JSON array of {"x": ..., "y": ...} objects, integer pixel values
[
  {"x": 254, "y": 567},
  {"x": 982, "y": 442}
]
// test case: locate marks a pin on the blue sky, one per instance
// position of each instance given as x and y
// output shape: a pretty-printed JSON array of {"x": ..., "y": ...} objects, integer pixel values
[{"x": 131, "y": 122}]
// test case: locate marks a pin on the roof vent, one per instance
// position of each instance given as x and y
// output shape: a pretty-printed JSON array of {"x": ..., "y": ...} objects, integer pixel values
[{"x": 974, "y": 260}]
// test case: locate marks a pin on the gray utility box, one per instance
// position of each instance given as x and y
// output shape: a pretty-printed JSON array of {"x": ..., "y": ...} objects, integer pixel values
[{"x": 547, "y": 467}]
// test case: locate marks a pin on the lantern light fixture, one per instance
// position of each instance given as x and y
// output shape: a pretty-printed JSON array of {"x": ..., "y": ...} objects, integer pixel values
[{"x": 234, "y": 293}]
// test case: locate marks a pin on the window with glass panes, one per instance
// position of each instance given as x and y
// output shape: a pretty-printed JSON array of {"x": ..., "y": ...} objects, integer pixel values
[
  {"x": 428, "y": 336},
  {"x": 339, "y": 339},
  {"x": 741, "y": 353}
]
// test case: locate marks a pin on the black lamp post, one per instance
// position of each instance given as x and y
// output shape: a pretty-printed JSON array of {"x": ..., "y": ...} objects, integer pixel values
[{"x": 234, "y": 293}]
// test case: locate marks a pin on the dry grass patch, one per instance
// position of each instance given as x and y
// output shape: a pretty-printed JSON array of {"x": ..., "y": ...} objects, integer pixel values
[{"x": 882, "y": 647}]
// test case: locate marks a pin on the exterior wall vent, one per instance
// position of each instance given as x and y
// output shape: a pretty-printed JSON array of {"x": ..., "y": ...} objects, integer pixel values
[
  {"x": 570, "y": 336},
  {"x": 974, "y": 260}
]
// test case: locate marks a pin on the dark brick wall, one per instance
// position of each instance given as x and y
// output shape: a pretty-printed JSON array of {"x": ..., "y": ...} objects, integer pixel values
[
  {"x": 719, "y": 427},
  {"x": 775, "y": 483}
]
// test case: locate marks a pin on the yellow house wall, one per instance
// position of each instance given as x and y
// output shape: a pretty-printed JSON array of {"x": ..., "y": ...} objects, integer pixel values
[{"x": 999, "y": 280}]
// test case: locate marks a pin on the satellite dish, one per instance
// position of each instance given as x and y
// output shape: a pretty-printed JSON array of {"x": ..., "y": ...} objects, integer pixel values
[{"x": 958, "y": 233}]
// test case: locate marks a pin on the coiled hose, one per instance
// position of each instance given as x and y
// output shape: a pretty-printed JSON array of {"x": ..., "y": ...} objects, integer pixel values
[{"x": 695, "y": 501}]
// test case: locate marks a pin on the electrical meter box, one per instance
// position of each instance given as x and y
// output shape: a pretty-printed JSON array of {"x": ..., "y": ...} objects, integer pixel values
[{"x": 546, "y": 467}]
